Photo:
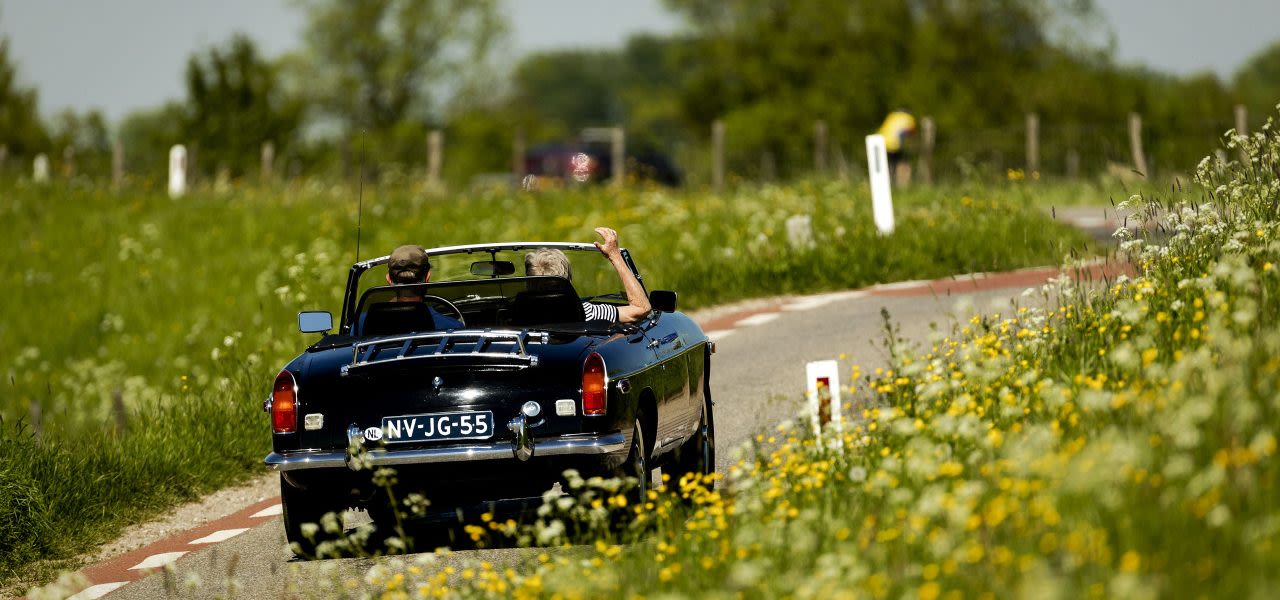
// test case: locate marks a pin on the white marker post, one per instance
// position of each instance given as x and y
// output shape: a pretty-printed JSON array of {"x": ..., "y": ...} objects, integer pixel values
[
  {"x": 40, "y": 168},
  {"x": 881, "y": 197},
  {"x": 824, "y": 394},
  {"x": 177, "y": 171},
  {"x": 800, "y": 232}
]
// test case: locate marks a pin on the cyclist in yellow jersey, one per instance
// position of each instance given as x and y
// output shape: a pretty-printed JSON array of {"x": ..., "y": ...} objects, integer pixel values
[{"x": 895, "y": 129}]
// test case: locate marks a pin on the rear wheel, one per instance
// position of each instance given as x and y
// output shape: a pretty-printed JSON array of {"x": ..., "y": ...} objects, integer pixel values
[
  {"x": 637, "y": 464},
  {"x": 301, "y": 507},
  {"x": 697, "y": 456}
]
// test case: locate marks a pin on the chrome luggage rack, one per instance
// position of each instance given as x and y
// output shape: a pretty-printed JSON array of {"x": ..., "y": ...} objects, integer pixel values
[{"x": 501, "y": 347}]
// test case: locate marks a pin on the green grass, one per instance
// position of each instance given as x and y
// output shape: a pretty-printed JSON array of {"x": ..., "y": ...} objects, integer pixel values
[{"x": 173, "y": 314}]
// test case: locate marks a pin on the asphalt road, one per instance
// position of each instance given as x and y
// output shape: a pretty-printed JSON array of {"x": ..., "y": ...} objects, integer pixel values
[{"x": 757, "y": 382}]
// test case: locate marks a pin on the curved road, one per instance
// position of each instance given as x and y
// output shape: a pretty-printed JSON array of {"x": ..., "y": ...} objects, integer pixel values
[{"x": 757, "y": 382}]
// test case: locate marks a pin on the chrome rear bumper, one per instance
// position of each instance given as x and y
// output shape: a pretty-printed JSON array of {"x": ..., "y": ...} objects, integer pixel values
[{"x": 588, "y": 445}]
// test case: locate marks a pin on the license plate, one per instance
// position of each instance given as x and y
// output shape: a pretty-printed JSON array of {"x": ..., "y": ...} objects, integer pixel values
[{"x": 438, "y": 426}]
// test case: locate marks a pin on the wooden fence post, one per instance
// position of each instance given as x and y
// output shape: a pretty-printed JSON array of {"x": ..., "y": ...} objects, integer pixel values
[
  {"x": 517, "y": 153},
  {"x": 268, "y": 160},
  {"x": 928, "y": 134},
  {"x": 1135, "y": 144},
  {"x": 118, "y": 410},
  {"x": 117, "y": 164},
  {"x": 820, "y": 147},
  {"x": 1033, "y": 144},
  {"x": 618, "y": 154},
  {"x": 36, "y": 415},
  {"x": 842, "y": 167},
  {"x": 69, "y": 162},
  {"x": 191, "y": 163},
  {"x": 344, "y": 156},
  {"x": 1073, "y": 163},
  {"x": 717, "y": 155},
  {"x": 1242, "y": 128},
  {"x": 435, "y": 148},
  {"x": 768, "y": 167}
]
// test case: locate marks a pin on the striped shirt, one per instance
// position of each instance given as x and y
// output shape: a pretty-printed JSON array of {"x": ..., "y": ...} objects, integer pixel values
[{"x": 603, "y": 312}]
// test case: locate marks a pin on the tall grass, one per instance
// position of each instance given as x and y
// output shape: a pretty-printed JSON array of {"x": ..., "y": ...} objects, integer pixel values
[{"x": 169, "y": 316}]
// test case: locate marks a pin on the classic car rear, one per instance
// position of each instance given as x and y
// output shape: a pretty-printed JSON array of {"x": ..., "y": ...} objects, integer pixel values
[{"x": 490, "y": 413}]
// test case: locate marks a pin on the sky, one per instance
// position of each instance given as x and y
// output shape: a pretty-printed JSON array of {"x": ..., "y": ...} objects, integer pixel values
[{"x": 125, "y": 55}]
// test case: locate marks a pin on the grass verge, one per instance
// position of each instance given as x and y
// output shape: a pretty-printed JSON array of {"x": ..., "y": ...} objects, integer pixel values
[{"x": 141, "y": 333}]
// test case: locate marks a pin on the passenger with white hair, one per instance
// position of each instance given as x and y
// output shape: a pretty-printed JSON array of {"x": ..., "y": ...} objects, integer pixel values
[{"x": 549, "y": 261}]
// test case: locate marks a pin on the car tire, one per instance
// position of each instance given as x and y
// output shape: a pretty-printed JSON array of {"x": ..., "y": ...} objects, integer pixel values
[
  {"x": 697, "y": 455},
  {"x": 637, "y": 464},
  {"x": 299, "y": 507}
]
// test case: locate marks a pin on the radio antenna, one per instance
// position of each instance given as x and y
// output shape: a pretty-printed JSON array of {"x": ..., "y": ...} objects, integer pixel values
[{"x": 359, "y": 195}]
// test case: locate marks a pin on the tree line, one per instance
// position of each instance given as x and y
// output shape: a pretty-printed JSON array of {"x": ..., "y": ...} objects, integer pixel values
[{"x": 374, "y": 77}]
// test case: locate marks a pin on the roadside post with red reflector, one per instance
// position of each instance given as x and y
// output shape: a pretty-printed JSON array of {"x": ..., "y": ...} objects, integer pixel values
[
  {"x": 284, "y": 404},
  {"x": 824, "y": 395}
]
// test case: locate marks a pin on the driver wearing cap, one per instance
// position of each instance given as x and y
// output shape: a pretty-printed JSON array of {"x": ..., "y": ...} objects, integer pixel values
[{"x": 408, "y": 265}]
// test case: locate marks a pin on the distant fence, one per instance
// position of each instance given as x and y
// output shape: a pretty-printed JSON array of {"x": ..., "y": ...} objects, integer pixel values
[{"x": 1037, "y": 148}]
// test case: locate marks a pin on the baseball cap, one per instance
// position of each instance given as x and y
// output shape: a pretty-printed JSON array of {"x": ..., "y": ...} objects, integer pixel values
[{"x": 408, "y": 264}]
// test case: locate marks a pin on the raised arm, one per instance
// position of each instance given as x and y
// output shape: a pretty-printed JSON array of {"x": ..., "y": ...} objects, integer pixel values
[{"x": 637, "y": 303}]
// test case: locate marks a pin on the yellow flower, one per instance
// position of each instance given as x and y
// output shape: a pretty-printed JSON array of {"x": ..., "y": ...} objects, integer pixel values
[
  {"x": 950, "y": 469},
  {"x": 1130, "y": 562}
]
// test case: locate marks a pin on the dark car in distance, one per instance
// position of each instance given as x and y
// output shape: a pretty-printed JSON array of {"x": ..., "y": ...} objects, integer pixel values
[
  {"x": 593, "y": 162},
  {"x": 493, "y": 412}
]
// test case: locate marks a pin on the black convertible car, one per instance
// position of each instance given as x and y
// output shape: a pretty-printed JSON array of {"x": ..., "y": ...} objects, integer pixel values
[{"x": 495, "y": 411}]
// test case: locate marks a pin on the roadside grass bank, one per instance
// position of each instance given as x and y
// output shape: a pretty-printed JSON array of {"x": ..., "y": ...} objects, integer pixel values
[
  {"x": 1120, "y": 443},
  {"x": 140, "y": 333}
]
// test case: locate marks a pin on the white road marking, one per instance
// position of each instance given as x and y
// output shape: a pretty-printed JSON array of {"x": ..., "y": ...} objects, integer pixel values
[
  {"x": 98, "y": 591},
  {"x": 807, "y": 304},
  {"x": 156, "y": 561},
  {"x": 1089, "y": 222},
  {"x": 900, "y": 285},
  {"x": 820, "y": 300},
  {"x": 970, "y": 276},
  {"x": 759, "y": 319},
  {"x": 274, "y": 510},
  {"x": 718, "y": 335},
  {"x": 219, "y": 536}
]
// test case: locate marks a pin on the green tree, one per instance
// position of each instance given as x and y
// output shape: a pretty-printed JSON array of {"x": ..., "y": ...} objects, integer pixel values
[
  {"x": 147, "y": 136},
  {"x": 20, "y": 126},
  {"x": 770, "y": 69},
  {"x": 234, "y": 104},
  {"x": 384, "y": 66},
  {"x": 87, "y": 133},
  {"x": 1257, "y": 82}
]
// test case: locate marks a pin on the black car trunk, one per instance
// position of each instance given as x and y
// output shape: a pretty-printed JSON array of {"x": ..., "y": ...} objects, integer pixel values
[{"x": 405, "y": 393}]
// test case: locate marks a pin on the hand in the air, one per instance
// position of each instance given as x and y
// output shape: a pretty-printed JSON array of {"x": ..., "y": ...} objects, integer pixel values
[{"x": 610, "y": 245}]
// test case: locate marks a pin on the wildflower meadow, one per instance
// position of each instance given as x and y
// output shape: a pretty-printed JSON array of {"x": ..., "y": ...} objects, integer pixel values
[{"x": 1106, "y": 440}]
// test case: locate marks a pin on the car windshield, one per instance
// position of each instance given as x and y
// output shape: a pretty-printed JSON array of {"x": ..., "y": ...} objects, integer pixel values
[
  {"x": 485, "y": 289},
  {"x": 593, "y": 275}
]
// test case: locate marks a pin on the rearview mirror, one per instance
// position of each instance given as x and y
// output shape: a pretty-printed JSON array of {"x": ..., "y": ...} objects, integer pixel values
[
  {"x": 492, "y": 268},
  {"x": 315, "y": 321},
  {"x": 663, "y": 300}
]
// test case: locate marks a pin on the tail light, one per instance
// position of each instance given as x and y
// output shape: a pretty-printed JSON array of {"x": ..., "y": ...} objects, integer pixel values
[
  {"x": 284, "y": 404},
  {"x": 594, "y": 382}
]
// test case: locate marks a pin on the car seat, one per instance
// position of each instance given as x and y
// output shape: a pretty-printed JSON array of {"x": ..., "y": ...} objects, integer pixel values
[{"x": 394, "y": 318}]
